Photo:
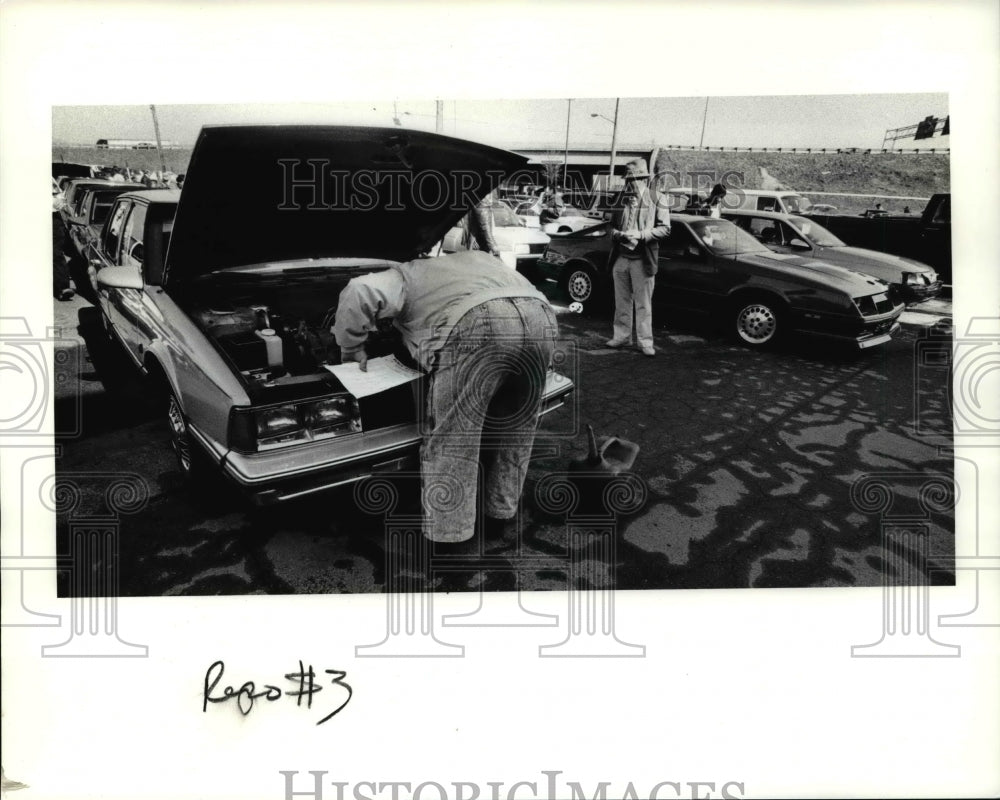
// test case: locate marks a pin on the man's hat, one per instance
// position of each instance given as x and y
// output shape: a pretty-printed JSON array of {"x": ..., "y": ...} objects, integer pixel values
[{"x": 635, "y": 169}]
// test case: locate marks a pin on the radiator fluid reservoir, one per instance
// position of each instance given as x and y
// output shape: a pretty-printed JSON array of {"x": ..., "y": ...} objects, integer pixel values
[{"x": 273, "y": 344}]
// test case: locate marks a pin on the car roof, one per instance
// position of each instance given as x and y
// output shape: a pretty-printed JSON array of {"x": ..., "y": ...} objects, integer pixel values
[
  {"x": 93, "y": 182},
  {"x": 692, "y": 217},
  {"x": 155, "y": 195},
  {"x": 749, "y": 212},
  {"x": 775, "y": 192}
]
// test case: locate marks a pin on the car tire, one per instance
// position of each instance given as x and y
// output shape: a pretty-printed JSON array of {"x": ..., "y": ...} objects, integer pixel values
[
  {"x": 758, "y": 320},
  {"x": 78, "y": 271},
  {"x": 579, "y": 283},
  {"x": 180, "y": 435}
]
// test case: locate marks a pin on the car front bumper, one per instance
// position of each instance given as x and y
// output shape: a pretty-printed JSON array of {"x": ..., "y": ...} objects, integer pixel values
[
  {"x": 862, "y": 333},
  {"x": 911, "y": 294}
]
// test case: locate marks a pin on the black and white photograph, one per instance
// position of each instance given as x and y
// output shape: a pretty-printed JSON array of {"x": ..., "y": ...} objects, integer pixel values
[
  {"x": 499, "y": 401},
  {"x": 732, "y": 397}
]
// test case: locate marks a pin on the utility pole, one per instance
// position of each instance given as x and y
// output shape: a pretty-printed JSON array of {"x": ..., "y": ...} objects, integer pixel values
[
  {"x": 159, "y": 146},
  {"x": 704, "y": 116},
  {"x": 614, "y": 141},
  {"x": 439, "y": 116},
  {"x": 569, "y": 107}
]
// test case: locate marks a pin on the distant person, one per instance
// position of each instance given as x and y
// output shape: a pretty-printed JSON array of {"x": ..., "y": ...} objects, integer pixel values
[
  {"x": 477, "y": 233},
  {"x": 552, "y": 210},
  {"x": 714, "y": 202},
  {"x": 180, "y": 180},
  {"x": 906, "y": 209},
  {"x": 61, "y": 288}
]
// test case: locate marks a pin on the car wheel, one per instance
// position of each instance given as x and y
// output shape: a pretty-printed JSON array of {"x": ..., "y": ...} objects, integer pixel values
[
  {"x": 578, "y": 282},
  {"x": 758, "y": 321},
  {"x": 180, "y": 436},
  {"x": 201, "y": 479}
]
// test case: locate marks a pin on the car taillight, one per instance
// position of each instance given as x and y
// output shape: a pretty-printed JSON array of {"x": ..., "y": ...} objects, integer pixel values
[
  {"x": 330, "y": 413},
  {"x": 255, "y": 429}
]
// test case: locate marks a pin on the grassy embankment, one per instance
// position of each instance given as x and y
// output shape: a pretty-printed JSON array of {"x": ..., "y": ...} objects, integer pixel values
[
  {"x": 878, "y": 173},
  {"x": 914, "y": 175}
]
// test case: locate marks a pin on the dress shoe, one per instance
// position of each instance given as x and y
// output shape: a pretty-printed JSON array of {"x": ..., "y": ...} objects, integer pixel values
[
  {"x": 617, "y": 343},
  {"x": 647, "y": 351}
]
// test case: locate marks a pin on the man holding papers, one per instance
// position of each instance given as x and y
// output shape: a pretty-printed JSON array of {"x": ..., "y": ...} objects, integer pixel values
[{"x": 485, "y": 335}]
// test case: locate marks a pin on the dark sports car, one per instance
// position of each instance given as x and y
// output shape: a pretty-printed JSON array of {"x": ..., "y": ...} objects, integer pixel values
[
  {"x": 712, "y": 266},
  {"x": 909, "y": 280}
]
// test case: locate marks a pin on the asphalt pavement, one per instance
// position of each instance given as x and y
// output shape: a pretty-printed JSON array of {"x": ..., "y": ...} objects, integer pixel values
[{"x": 749, "y": 473}]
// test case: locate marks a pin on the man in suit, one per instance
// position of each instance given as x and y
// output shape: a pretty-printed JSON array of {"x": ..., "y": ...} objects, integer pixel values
[{"x": 636, "y": 230}]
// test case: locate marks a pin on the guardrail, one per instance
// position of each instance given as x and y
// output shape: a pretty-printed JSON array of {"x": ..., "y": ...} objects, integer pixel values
[
  {"x": 866, "y": 196},
  {"x": 821, "y": 150}
]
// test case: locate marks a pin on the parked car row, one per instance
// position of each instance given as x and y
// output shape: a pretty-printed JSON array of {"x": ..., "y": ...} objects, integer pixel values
[
  {"x": 714, "y": 267},
  {"x": 224, "y": 298},
  {"x": 86, "y": 205}
]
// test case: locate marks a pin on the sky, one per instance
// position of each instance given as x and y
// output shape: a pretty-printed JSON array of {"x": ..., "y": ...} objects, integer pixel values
[{"x": 774, "y": 121}]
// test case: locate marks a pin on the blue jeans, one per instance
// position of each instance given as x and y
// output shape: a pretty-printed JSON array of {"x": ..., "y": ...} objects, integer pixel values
[{"x": 485, "y": 392}]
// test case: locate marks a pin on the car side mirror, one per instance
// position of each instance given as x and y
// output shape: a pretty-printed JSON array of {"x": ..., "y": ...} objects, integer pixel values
[
  {"x": 119, "y": 278},
  {"x": 693, "y": 251},
  {"x": 799, "y": 244}
]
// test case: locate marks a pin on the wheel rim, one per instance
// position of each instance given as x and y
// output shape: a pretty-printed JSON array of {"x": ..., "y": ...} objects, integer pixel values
[
  {"x": 579, "y": 286},
  {"x": 179, "y": 435},
  {"x": 756, "y": 324}
]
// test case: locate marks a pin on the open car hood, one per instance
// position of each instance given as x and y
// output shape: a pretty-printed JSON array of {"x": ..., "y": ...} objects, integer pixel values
[{"x": 271, "y": 193}]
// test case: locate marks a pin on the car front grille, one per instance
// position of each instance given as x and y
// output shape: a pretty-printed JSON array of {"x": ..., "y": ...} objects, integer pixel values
[
  {"x": 873, "y": 305},
  {"x": 537, "y": 248}
]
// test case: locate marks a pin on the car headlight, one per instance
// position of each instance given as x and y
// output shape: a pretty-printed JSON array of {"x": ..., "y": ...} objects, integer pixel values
[
  {"x": 521, "y": 249},
  {"x": 911, "y": 279},
  {"x": 255, "y": 429}
]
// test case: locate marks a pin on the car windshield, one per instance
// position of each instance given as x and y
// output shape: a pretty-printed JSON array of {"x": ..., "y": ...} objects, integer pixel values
[
  {"x": 725, "y": 239},
  {"x": 796, "y": 204},
  {"x": 817, "y": 233},
  {"x": 503, "y": 217}
]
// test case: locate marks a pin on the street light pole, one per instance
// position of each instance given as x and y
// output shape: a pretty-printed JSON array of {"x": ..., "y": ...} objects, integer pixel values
[
  {"x": 159, "y": 145},
  {"x": 569, "y": 106},
  {"x": 614, "y": 142},
  {"x": 704, "y": 116}
]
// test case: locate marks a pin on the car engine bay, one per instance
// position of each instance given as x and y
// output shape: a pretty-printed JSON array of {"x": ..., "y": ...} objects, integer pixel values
[{"x": 278, "y": 332}]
